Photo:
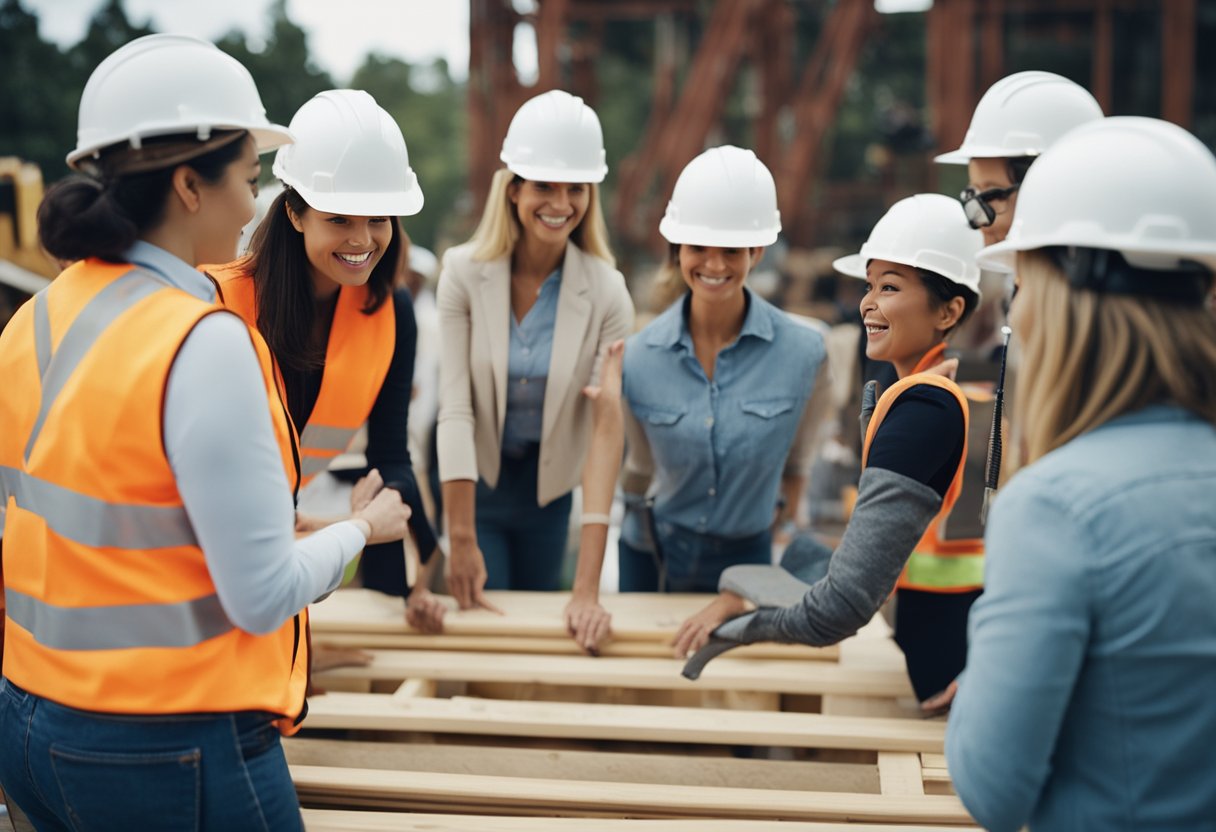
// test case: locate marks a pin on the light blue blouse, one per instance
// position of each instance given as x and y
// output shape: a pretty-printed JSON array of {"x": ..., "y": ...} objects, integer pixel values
[
  {"x": 1089, "y": 699},
  {"x": 720, "y": 446},
  {"x": 530, "y": 348}
]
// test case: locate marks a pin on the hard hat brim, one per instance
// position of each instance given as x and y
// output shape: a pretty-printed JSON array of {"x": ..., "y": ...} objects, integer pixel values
[
  {"x": 402, "y": 204},
  {"x": 266, "y": 137},
  {"x": 851, "y": 265},
  {"x": 540, "y": 173},
  {"x": 965, "y": 154},
  {"x": 699, "y": 235}
]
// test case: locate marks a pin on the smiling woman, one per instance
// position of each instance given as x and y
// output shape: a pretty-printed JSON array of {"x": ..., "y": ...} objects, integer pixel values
[
  {"x": 528, "y": 311},
  {"x": 318, "y": 284},
  {"x": 723, "y": 392}
]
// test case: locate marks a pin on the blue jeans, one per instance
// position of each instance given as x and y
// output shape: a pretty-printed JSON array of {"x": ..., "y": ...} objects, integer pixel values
[
  {"x": 693, "y": 561},
  {"x": 524, "y": 544},
  {"x": 74, "y": 770}
]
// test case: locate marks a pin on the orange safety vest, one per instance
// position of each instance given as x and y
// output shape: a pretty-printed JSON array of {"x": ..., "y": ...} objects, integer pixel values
[
  {"x": 111, "y": 607},
  {"x": 356, "y": 364},
  {"x": 936, "y": 564}
]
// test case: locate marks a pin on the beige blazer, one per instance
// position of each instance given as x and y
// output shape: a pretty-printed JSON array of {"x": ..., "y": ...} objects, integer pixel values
[{"x": 474, "y": 299}]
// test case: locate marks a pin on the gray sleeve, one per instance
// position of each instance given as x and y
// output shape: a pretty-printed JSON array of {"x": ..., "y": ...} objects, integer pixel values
[
  {"x": 891, "y": 514},
  {"x": 221, "y": 445}
]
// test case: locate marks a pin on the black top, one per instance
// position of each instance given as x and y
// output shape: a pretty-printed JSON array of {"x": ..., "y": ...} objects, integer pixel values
[
  {"x": 922, "y": 437},
  {"x": 387, "y": 441}
]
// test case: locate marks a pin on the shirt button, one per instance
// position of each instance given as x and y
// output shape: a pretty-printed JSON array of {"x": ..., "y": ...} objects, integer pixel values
[
  {"x": 709, "y": 421},
  {"x": 713, "y": 492}
]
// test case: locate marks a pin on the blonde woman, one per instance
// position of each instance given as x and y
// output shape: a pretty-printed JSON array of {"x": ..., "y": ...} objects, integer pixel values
[
  {"x": 1087, "y": 700},
  {"x": 526, "y": 308}
]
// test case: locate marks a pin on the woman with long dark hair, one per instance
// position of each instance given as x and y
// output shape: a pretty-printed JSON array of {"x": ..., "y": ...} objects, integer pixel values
[
  {"x": 156, "y": 640},
  {"x": 921, "y": 284},
  {"x": 318, "y": 281}
]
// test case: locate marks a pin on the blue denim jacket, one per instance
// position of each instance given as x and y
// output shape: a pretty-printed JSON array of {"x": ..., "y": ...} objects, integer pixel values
[
  {"x": 720, "y": 447},
  {"x": 1089, "y": 699}
]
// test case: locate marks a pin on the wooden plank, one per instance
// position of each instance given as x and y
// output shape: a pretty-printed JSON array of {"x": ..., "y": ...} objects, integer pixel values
[
  {"x": 557, "y": 646},
  {"x": 415, "y": 689},
  {"x": 899, "y": 773},
  {"x": 685, "y": 769},
  {"x": 928, "y": 760},
  {"x": 379, "y": 712},
  {"x": 726, "y": 673},
  {"x": 636, "y": 616},
  {"x": 327, "y": 785},
  {"x": 331, "y": 820}
]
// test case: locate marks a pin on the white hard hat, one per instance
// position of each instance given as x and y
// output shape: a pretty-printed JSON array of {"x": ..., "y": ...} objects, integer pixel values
[
  {"x": 424, "y": 261},
  {"x": 349, "y": 157},
  {"x": 162, "y": 85},
  {"x": 555, "y": 137},
  {"x": 926, "y": 231},
  {"x": 1139, "y": 186},
  {"x": 1023, "y": 115},
  {"x": 724, "y": 197}
]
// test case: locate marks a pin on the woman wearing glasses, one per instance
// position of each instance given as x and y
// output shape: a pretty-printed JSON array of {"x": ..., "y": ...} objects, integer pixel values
[{"x": 1017, "y": 119}]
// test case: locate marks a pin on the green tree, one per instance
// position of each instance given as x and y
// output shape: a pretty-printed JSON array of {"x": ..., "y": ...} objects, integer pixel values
[
  {"x": 38, "y": 110},
  {"x": 284, "y": 72},
  {"x": 434, "y": 123}
]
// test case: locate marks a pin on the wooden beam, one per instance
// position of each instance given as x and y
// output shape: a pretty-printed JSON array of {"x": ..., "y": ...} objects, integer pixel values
[
  {"x": 689, "y": 769},
  {"x": 699, "y": 726},
  {"x": 900, "y": 773},
  {"x": 550, "y": 32},
  {"x": 636, "y": 616},
  {"x": 325, "y": 785},
  {"x": 992, "y": 38},
  {"x": 815, "y": 106},
  {"x": 558, "y": 645},
  {"x": 1178, "y": 61},
  {"x": 725, "y": 673},
  {"x": 1102, "y": 71}
]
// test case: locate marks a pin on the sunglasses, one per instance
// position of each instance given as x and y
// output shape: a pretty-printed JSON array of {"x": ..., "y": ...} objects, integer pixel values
[{"x": 977, "y": 204}]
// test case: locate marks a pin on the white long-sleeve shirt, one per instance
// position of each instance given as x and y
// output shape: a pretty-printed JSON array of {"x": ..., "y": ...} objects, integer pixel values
[{"x": 221, "y": 445}]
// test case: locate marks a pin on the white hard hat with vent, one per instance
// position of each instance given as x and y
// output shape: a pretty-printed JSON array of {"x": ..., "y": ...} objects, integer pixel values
[
  {"x": 1023, "y": 115},
  {"x": 349, "y": 157},
  {"x": 555, "y": 137},
  {"x": 926, "y": 231},
  {"x": 725, "y": 197},
  {"x": 163, "y": 85},
  {"x": 1142, "y": 187}
]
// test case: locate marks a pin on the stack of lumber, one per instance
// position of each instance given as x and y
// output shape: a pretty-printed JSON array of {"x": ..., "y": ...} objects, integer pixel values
[{"x": 501, "y": 724}]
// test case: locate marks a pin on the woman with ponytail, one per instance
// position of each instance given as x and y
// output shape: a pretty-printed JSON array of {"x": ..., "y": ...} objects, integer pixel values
[{"x": 156, "y": 642}]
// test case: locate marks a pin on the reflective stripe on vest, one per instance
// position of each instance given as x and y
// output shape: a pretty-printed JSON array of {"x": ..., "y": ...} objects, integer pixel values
[
  {"x": 949, "y": 573},
  {"x": 357, "y": 357},
  {"x": 118, "y": 627},
  {"x": 92, "y": 522},
  {"x": 935, "y": 565}
]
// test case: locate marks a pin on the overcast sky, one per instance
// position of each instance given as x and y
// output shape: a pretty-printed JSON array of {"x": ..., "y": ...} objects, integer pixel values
[{"x": 340, "y": 34}]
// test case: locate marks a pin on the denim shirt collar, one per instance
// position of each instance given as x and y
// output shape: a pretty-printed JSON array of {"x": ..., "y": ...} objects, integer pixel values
[
  {"x": 671, "y": 328},
  {"x": 172, "y": 269}
]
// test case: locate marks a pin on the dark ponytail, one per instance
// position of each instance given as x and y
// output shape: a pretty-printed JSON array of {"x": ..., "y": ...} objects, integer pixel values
[{"x": 83, "y": 216}]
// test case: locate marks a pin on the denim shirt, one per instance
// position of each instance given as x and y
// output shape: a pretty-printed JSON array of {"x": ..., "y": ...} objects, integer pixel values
[
  {"x": 1089, "y": 699},
  {"x": 720, "y": 446},
  {"x": 531, "y": 346}
]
